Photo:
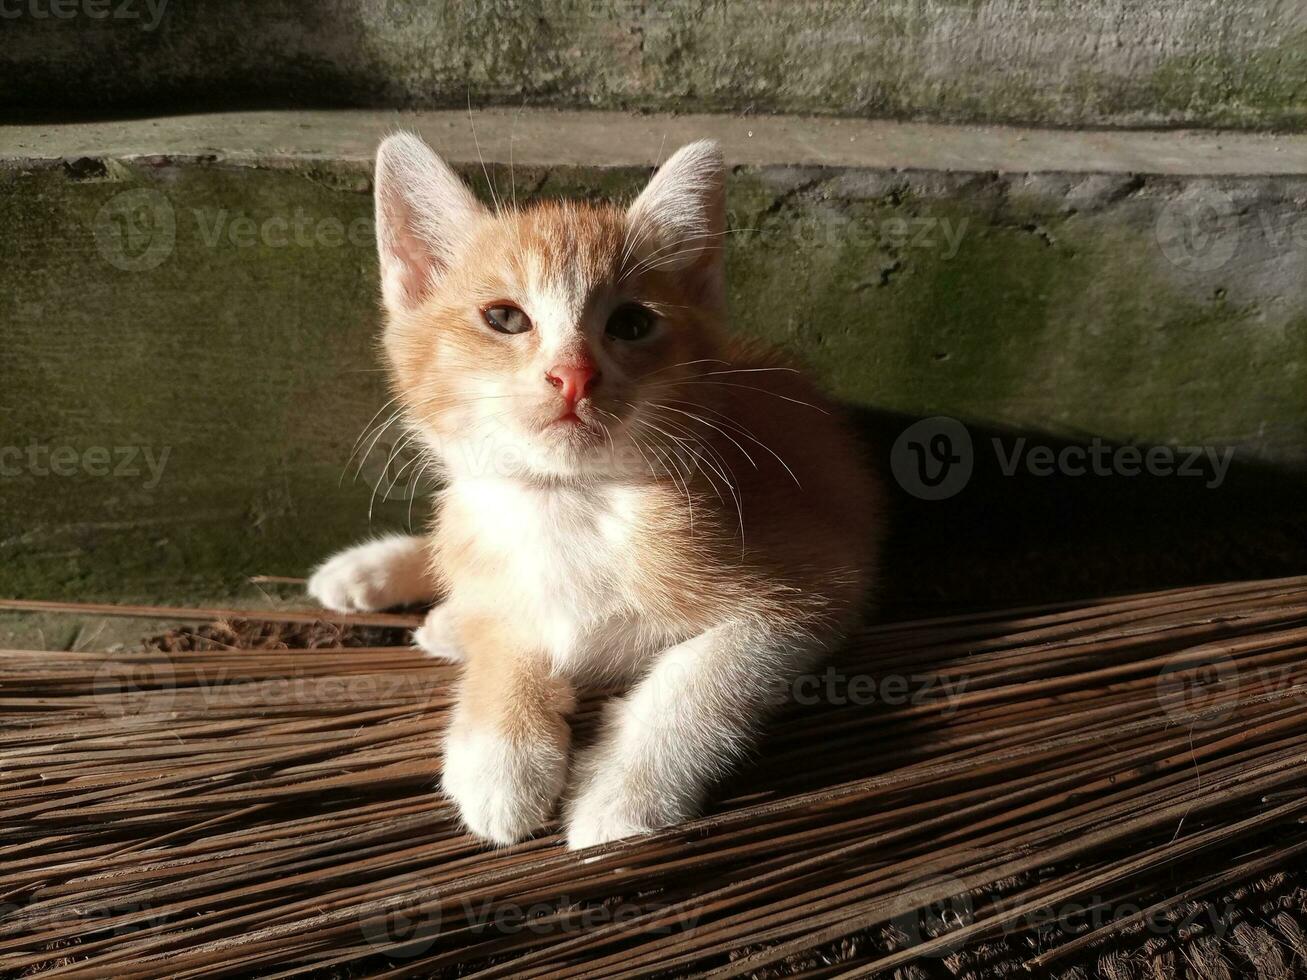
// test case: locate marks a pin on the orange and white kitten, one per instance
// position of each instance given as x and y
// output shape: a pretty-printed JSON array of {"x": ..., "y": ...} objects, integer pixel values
[{"x": 629, "y": 495}]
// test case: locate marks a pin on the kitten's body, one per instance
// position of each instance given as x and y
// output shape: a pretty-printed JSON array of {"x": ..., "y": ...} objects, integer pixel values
[{"x": 697, "y": 522}]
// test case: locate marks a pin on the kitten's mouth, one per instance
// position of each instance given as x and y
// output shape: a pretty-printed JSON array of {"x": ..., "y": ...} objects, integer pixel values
[
  {"x": 571, "y": 419},
  {"x": 573, "y": 427}
]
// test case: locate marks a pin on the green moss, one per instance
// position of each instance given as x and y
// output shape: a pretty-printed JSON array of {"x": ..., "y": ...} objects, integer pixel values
[
  {"x": 1265, "y": 88},
  {"x": 245, "y": 355},
  {"x": 1070, "y": 323},
  {"x": 248, "y": 353}
]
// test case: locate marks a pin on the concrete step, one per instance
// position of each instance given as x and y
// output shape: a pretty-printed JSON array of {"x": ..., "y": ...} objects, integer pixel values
[
  {"x": 1239, "y": 63},
  {"x": 189, "y": 316}
]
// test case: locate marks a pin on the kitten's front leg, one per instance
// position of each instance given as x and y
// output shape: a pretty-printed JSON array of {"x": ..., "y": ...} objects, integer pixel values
[
  {"x": 381, "y": 574},
  {"x": 438, "y": 634},
  {"x": 663, "y": 745},
  {"x": 506, "y": 750}
]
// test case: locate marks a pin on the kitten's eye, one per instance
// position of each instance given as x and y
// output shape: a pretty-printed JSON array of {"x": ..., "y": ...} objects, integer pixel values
[
  {"x": 630, "y": 322},
  {"x": 506, "y": 319}
]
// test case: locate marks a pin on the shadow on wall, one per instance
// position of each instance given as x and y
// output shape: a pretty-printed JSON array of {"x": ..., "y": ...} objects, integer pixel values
[
  {"x": 987, "y": 516},
  {"x": 80, "y": 60},
  {"x": 172, "y": 56}
]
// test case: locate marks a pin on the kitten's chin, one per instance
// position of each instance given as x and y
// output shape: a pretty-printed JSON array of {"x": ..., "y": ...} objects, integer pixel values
[
  {"x": 558, "y": 451},
  {"x": 570, "y": 448}
]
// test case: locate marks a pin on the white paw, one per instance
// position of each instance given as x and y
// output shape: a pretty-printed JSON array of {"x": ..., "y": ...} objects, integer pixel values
[
  {"x": 436, "y": 636},
  {"x": 610, "y": 807},
  {"x": 378, "y": 575},
  {"x": 504, "y": 790}
]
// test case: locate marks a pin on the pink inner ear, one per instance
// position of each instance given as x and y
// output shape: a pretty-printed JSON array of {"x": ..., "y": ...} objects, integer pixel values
[
  {"x": 412, "y": 263},
  {"x": 423, "y": 212},
  {"x": 406, "y": 257}
]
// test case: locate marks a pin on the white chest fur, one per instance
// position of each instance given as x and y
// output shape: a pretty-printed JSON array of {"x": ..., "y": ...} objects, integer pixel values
[{"x": 560, "y": 561}]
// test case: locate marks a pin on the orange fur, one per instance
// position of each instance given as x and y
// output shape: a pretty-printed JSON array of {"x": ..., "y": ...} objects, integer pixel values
[{"x": 708, "y": 508}]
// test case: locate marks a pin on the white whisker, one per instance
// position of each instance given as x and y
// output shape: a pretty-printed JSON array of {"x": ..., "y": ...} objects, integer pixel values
[
  {"x": 728, "y": 384},
  {"x": 743, "y": 430},
  {"x": 490, "y": 184}
]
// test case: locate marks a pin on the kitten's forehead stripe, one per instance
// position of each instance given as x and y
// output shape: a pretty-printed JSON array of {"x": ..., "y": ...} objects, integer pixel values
[{"x": 571, "y": 252}]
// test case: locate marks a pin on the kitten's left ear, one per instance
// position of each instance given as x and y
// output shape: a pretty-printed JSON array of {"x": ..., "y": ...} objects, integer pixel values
[
  {"x": 424, "y": 214},
  {"x": 679, "y": 220}
]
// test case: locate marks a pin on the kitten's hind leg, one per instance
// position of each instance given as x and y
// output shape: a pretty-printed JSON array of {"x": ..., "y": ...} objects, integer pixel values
[
  {"x": 684, "y": 725},
  {"x": 381, "y": 574}
]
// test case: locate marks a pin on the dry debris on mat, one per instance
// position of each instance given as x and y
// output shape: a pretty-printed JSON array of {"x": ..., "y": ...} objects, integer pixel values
[{"x": 1112, "y": 789}]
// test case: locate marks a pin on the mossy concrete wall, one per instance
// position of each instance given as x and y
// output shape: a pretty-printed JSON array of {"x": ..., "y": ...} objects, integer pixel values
[
  {"x": 1234, "y": 63},
  {"x": 188, "y": 356}
]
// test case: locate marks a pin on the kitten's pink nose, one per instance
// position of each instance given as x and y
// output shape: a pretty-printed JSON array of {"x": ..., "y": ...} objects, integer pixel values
[{"x": 574, "y": 381}]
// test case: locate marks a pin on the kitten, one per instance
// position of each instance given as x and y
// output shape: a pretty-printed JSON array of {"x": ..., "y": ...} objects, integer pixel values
[{"x": 630, "y": 495}]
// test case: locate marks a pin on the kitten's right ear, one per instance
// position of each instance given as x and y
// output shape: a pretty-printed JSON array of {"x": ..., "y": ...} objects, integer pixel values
[{"x": 424, "y": 213}]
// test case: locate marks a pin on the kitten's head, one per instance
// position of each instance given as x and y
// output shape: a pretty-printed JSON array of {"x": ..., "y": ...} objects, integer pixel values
[{"x": 528, "y": 339}]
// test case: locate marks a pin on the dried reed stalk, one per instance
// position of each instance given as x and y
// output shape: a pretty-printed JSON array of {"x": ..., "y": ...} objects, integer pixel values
[{"x": 223, "y": 811}]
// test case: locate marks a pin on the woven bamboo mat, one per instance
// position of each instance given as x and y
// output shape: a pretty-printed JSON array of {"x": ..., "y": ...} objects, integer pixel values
[{"x": 1112, "y": 789}]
